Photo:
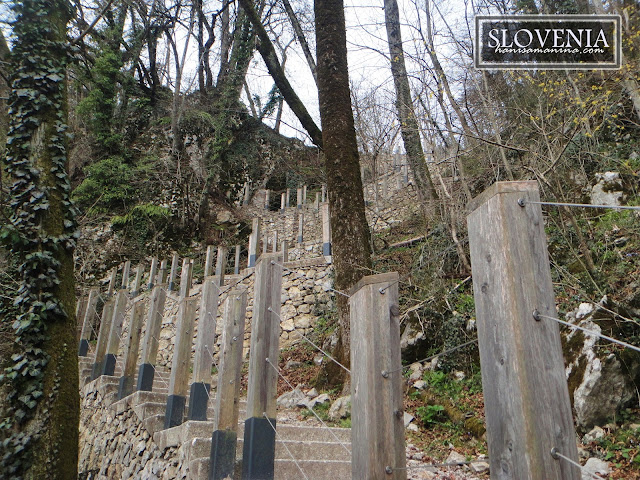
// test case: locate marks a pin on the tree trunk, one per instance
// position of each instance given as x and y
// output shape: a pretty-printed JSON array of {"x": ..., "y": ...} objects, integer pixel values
[
  {"x": 43, "y": 376},
  {"x": 4, "y": 93},
  {"x": 349, "y": 228},
  {"x": 404, "y": 107}
]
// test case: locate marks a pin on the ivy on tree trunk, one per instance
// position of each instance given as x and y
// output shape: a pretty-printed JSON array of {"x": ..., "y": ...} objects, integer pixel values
[{"x": 39, "y": 423}]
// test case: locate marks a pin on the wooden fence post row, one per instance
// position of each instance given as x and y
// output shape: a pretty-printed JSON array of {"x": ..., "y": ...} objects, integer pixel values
[
  {"x": 527, "y": 406},
  {"x": 378, "y": 450},
  {"x": 225, "y": 434},
  {"x": 90, "y": 314},
  {"x": 259, "y": 434}
]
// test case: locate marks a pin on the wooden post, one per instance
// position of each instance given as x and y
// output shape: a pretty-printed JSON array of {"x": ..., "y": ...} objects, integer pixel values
[
  {"x": 378, "y": 451},
  {"x": 288, "y": 198},
  {"x": 151, "y": 337},
  {"x": 527, "y": 406},
  {"x": 254, "y": 239},
  {"x": 179, "y": 379},
  {"x": 275, "y": 242},
  {"x": 304, "y": 195},
  {"x": 299, "y": 198},
  {"x": 259, "y": 435},
  {"x": 112, "y": 282},
  {"x": 153, "y": 273},
  {"x": 88, "y": 321},
  {"x": 282, "y": 202},
  {"x": 103, "y": 337},
  {"x": 221, "y": 264},
  {"x": 236, "y": 265},
  {"x": 125, "y": 274},
  {"x": 267, "y": 195},
  {"x": 316, "y": 204},
  {"x": 185, "y": 277},
  {"x": 131, "y": 350},
  {"x": 174, "y": 272},
  {"x": 113, "y": 342},
  {"x": 81, "y": 308},
  {"x": 300, "y": 227},
  {"x": 208, "y": 264},
  {"x": 225, "y": 434},
  {"x": 285, "y": 251},
  {"x": 324, "y": 194},
  {"x": 138, "y": 281},
  {"x": 326, "y": 232},
  {"x": 205, "y": 341},
  {"x": 163, "y": 272},
  {"x": 245, "y": 200},
  {"x": 265, "y": 243}
]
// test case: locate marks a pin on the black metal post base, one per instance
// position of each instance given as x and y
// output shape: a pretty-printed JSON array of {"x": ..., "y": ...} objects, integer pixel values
[
  {"x": 126, "y": 387},
  {"x": 109, "y": 365},
  {"x": 223, "y": 454},
  {"x": 83, "y": 348},
  {"x": 199, "y": 401},
  {"x": 145, "y": 377},
  {"x": 174, "y": 415},
  {"x": 258, "y": 452}
]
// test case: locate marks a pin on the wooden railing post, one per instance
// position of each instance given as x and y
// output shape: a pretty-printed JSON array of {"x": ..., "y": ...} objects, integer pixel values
[
  {"x": 147, "y": 369},
  {"x": 131, "y": 349},
  {"x": 299, "y": 198},
  {"x": 259, "y": 434},
  {"x": 285, "y": 251},
  {"x": 173, "y": 275},
  {"x": 527, "y": 406},
  {"x": 288, "y": 198},
  {"x": 203, "y": 360},
  {"x": 378, "y": 451},
  {"x": 90, "y": 314},
  {"x": 266, "y": 199},
  {"x": 179, "y": 379},
  {"x": 112, "y": 282},
  {"x": 225, "y": 434},
  {"x": 316, "y": 204},
  {"x": 300, "y": 227},
  {"x": 283, "y": 202},
  {"x": 103, "y": 337},
  {"x": 304, "y": 195},
  {"x": 153, "y": 273},
  {"x": 221, "y": 265},
  {"x": 254, "y": 240},
  {"x": 162, "y": 277},
  {"x": 138, "y": 281},
  {"x": 324, "y": 194},
  {"x": 113, "y": 342},
  {"x": 326, "y": 232},
  {"x": 236, "y": 265},
  {"x": 275, "y": 242},
  {"x": 126, "y": 271}
]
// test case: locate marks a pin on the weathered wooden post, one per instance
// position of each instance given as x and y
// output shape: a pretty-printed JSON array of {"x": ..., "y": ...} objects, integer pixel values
[
  {"x": 221, "y": 264},
  {"x": 113, "y": 342},
  {"x": 245, "y": 199},
  {"x": 147, "y": 369},
  {"x": 299, "y": 198},
  {"x": 205, "y": 340},
  {"x": 225, "y": 434},
  {"x": 153, "y": 273},
  {"x": 283, "y": 202},
  {"x": 112, "y": 282},
  {"x": 259, "y": 434},
  {"x": 316, "y": 204},
  {"x": 527, "y": 406},
  {"x": 300, "y": 227},
  {"x": 90, "y": 314},
  {"x": 275, "y": 242},
  {"x": 285, "y": 251},
  {"x": 125, "y": 275},
  {"x": 378, "y": 450},
  {"x": 265, "y": 243},
  {"x": 162, "y": 277},
  {"x": 326, "y": 232},
  {"x": 179, "y": 379},
  {"x": 174, "y": 272},
  {"x": 236, "y": 265},
  {"x": 131, "y": 349},
  {"x": 266, "y": 199},
  {"x": 137, "y": 281},
  {"x": 304, "y": 194},
  {"x": 103, "y": 337},
  {"x": 81, "y": 308},
  {"x": 254, "y": 240},
  {"x": 324, "y": 193},
  {"x": 288, "y": 198}
]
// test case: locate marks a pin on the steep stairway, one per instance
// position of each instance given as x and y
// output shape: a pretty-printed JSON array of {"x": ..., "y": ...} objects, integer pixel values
[{"x": 303, "y": 451}]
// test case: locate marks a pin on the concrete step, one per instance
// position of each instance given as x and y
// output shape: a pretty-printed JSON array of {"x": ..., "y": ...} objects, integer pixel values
[
  {"x": 285, "y": 470},
  {"x": 200, "y": 447}
]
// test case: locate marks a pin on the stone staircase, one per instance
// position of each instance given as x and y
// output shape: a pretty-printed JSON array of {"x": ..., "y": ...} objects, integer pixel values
[{"x": 302, "y": 451}]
